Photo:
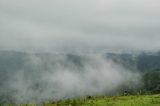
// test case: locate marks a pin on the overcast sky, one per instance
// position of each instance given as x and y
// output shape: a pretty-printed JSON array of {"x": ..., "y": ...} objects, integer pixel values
[{"x": 77, "y": 25}]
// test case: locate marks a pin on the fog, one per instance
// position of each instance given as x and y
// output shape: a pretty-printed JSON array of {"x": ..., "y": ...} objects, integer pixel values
[
  {"x": 79, "y": 25},
  {"x": 64, "y": 76},
  {"x": 83, "y": 27}
]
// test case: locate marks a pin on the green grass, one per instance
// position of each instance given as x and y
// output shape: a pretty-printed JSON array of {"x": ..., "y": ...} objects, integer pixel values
[{"x": 133, "y": 100}]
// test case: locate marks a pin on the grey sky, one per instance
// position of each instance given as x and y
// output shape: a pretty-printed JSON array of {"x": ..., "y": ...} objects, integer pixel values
[{"x": 49, "y": 25}]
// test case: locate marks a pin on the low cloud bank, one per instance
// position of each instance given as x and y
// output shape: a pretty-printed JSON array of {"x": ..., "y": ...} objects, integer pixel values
[
  {"x": 90, "y": 25},
  {"x": 42, "y": 78}
]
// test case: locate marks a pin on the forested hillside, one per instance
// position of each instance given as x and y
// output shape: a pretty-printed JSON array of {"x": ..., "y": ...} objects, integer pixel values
[{"x": 32, "y": 73}]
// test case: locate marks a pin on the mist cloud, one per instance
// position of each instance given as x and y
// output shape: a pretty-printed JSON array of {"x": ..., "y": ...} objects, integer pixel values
[
  {"x": 64, "y": 76},
  {"x": 91, "y": 25}
]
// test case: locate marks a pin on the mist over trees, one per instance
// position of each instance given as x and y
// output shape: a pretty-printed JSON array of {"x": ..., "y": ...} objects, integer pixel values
[{"x": 28, "y": 76}]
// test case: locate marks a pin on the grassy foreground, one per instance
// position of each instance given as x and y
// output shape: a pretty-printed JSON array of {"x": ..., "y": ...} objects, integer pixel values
[{"x": 134, "y": 100}]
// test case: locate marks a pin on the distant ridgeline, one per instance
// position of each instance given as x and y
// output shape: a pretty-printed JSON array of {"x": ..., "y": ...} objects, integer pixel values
[
  {"x": 141, "y": 62},
  {"x": 12, "y": 62},
  {"x": 17, "y": 60}
]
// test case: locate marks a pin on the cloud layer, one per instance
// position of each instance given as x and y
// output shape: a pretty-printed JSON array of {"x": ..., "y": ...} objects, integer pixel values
[{"x": 92, "y": 25}]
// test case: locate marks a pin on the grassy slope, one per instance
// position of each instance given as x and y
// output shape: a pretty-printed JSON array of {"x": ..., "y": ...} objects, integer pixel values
[{"x": 136, "y": 100}]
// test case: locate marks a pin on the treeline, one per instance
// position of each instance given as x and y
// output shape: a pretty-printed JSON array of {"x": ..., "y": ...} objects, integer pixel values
[
  {"x": 151, "y": 81},
  {"x": 150, "y": 84}
]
